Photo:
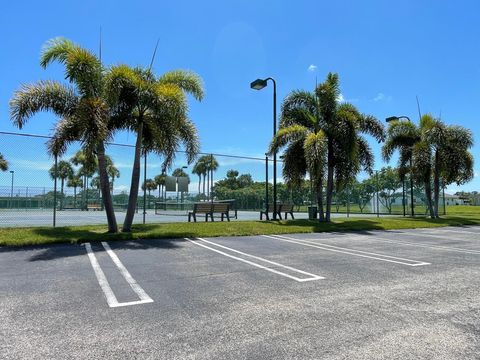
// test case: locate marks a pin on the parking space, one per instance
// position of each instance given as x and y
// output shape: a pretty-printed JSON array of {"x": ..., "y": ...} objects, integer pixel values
[{"x": 371, "y": 295}]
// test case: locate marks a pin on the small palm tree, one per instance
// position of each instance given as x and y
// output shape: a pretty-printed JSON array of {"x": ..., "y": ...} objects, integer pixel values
[
  {"x": 199, "y": 170},
  {"x": 75, "y": 181},
  {"x": 63, "y": 171},
  {"x": 112, "y": 172},
  {"x": 82, "y": 107},
  {"x": 155, "y": 108},
  {"x": 3, "y": 163},
  {"x": 160, "y": 181}
]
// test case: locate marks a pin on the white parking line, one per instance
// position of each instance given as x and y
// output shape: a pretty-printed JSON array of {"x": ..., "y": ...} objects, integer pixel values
[
  {"x": 103, "y": 282},
  {"x": 432, "y": 246},
  {"x": 440, "y": 230},
  {"x": 311, "y": 277},
  {"x": 365, "y": 254},
  {"x": 439, "y": 235}
]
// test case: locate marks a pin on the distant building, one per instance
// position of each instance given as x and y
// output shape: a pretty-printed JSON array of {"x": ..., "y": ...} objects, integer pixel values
[{"x": 455, "y": 200}]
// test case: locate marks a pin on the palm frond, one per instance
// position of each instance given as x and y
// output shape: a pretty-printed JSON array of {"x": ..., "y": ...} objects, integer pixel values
[
  {"x": 286, "y": 135},
  {"x": 186, "y": 80},
  {"x": 42, "y": 96}
]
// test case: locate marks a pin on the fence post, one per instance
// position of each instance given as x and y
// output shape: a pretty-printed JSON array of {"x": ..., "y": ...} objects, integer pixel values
[
  {"x": 55, "y": 194},
  {"x": 404, "y": 198}
]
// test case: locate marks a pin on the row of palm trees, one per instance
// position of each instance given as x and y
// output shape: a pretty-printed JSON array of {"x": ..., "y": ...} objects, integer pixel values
[
  {"x": 206, "y": 164},
  {"x": 323, "y": 138},
  {"x": 99, "y": 101},
  {"x": 87, "y": 167},
  {"x": 439, "y": 155}
]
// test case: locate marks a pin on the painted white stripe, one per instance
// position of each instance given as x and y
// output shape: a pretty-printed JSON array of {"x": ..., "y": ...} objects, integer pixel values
[
  {"x": 435, "y": 236},
  {"x": 105, "y": 286},
  {"x": 432, "y": 246},
  {"x": 311, "y": 277},
  {"x": 123, "y": 270},
  {"x": 101, "y": 278},
  {"x": 452, "y": 231},
  {"x": 365, "y": 254}
]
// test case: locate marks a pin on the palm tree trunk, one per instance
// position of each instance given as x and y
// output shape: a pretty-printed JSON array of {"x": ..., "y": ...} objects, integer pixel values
[
  {"x": 329, "y": 181},
  {"x": 204, "y": 175},
  {"x": 105, "y": 189},
  {"x": 321, "y": 214},
  {"x": 436, "y": 184},
  {"x": 199, "y": 182},
  {"x": 428, "y": 194},
  {"x": 132, "y": 198},
  {"x": 75, "y": 197}
]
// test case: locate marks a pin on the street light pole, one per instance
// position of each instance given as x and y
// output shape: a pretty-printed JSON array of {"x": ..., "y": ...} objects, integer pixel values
[
  {"x": 258, "y": 85},
  {"x": 396, "y": 118}
]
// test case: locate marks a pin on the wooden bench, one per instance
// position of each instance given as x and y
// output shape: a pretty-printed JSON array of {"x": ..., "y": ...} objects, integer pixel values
[
  {"x": 287, "y": 209},
  {"x": 209, "y": 209},
  {"x": 281, "y": 208},
  {"x": 94, "y": 207},
  {"x": 222, "y": 209},
  {"x": 270, "y": 210},
  {"x": 201, "y": 208}
]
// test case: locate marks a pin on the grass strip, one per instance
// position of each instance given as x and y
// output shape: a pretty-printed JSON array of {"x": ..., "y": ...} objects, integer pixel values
[{"x": 78, "y": 234}]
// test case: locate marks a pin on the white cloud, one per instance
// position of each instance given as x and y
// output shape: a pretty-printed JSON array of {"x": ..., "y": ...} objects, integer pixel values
[
  {"x": 340, "y": 98},
  {"x": 312, "y": 68},
  {"x": 382, "y": 97}
]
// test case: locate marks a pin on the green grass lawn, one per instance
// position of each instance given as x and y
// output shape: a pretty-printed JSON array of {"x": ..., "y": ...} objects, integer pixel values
[{"x": 78, "y": 234}]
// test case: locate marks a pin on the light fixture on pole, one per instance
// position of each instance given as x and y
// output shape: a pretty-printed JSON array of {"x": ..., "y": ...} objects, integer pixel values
[
  {"x": 258, "y": 85},
  {"x": 398, "y": 118}
]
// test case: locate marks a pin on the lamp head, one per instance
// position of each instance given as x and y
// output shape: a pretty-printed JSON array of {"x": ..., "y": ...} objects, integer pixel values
[
  {"x": 258, "y": 84},
  {"x": 391, "y": 118}
]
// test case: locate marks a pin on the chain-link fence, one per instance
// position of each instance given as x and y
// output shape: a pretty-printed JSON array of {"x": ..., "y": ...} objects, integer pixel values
[{"x": 30, "y": 194}]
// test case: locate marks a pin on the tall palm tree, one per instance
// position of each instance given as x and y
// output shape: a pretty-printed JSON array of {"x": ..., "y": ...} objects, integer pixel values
[
  {"x": 323, "y": 138},
  {"x": 81, "y": 106},
  {"x": 211, "y": 165},
  {"x": 155, "y": 108},
  {"x": 343, "y": 124},
  {"x": 75, "y": 181},
  {"x": 437, "y": 151},
  {"x": 112, "y": 172},
  {"x": 199, "y": 170},
  {"x": 3, "y": 163},
  {"x": 305, "y": 141},
  {"x": 88, "y": 165},
  {"x": 63, "y": 171},
  {"x": 160, "y": 181}
]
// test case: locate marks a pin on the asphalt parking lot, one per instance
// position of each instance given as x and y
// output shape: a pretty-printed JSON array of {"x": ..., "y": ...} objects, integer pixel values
[{"x": 409, "y": 294}]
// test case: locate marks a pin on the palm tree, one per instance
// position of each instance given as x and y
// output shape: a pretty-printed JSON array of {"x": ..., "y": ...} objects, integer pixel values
[
  {"x": 180, "y": 173},
  {"x": 75, "y": 181},
  {"x": 436, "y": 151},
  {"x": 160, "y": 181},
  {"x": 323, "y": 138},
  {"x": 301, "y": 133},
  {"x": 155, "y": 108},
  {"x": 63, "y": 171},
  {"x": 211, "y": 165},
  {"x": 199, "y": 170},
  {"x": 347, "y": 150},
  {"x": 112, "y": 171},
  {"x": 81, "y": 106},
  {"x": 88, "y": 166},
  {"x": 3, "y": 163}
]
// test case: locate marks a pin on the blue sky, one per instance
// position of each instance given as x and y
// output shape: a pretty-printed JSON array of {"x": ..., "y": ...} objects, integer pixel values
[{"x": 385, "y": 52}]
